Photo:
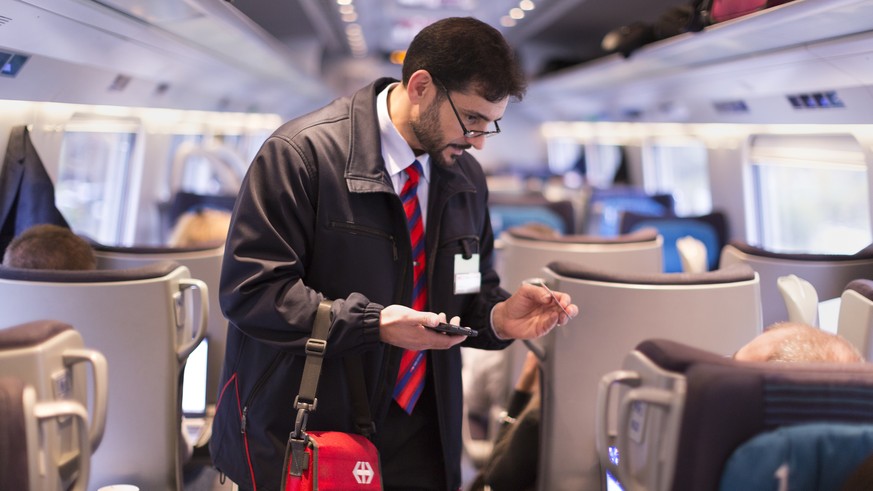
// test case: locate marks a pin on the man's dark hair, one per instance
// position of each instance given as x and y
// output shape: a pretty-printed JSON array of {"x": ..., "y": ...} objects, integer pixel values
[
  {"x": 48, "y": 246},
  {"x": 462, "y": 54}
]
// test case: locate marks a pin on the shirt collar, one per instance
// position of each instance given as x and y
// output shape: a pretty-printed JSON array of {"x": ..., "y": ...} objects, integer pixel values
[{"x": 397, "y": 153}]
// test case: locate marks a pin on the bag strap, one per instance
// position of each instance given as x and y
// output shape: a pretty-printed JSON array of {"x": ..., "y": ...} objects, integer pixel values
[
  {"x": 316, "y": 345},
  {"x": 306, "y": 402}
]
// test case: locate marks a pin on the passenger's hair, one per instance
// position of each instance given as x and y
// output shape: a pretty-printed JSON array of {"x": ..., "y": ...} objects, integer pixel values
[
  {"x": 200, "y": 228},
  {"x": 797, "y": 342},
  {"x": 463, "y": 54},
  {"x": 538, "y": 229},
  {"x": 47, "y": 246},
  {"x": 806, "y": 343}
]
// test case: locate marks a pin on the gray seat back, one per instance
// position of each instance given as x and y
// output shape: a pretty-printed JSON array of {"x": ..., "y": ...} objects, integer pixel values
[
  {"x": 524, "y": 253},
  {"x": 716, "y": 310},
  {"x": 49, "y": 357},
  {"x": 828, "y": 273},
  {"x": 146, "y": 323},
  {"x": 684, "y": 412},
  {"x": 855, "y": 321},
  {"x": 27, "y": 456},
  {"x": 205, "y": 265}
]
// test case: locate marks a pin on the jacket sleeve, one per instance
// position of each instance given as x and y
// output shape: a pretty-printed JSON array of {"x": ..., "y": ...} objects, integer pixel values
[{"x": 263, "y": 290}]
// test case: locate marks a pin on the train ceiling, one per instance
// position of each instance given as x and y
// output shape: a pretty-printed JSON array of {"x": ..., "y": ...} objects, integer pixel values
[{"x": 547, "y": 33}]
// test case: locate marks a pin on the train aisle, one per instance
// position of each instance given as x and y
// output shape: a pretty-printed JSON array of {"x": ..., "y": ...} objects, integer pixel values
[{"x": 199, "y": 475}]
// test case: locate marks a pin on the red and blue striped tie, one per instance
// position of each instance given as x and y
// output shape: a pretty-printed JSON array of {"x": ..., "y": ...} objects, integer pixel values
[{"x": 413, "y": 364}]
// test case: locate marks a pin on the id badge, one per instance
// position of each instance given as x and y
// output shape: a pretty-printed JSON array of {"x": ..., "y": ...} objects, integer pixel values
[{"x": 467, "y": 276}]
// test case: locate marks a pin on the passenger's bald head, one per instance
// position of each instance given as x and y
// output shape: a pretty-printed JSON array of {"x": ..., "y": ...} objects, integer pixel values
[{"x": 797, "y": 342}]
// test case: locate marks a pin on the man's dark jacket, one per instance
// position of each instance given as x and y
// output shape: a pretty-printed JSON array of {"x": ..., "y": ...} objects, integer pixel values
[{"x": 317, "y": 216}]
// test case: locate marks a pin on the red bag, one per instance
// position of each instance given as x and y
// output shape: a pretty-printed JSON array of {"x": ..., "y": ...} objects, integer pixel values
[
  {"x": 332, "y": 460},
  {"x": 722, "y": 10}
]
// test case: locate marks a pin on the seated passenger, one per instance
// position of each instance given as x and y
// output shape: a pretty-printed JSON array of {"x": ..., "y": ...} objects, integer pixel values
[
  {"x": 485, "y": 382},
  {"x": 202, "y": 227},
  {"x": 541, "y": 229},
  {"x": 861, "y": 479},
  {"x": 514, "y": 460},
  {"x": 796, "y": 342},
  {"x": 47, "y": 246}
]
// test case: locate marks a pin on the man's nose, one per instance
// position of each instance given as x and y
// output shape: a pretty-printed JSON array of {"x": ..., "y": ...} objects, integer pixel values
[{"x": 478, "y": 142}]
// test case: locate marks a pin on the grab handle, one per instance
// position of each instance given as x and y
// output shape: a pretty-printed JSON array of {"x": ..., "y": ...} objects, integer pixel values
[
  {"x": 602, "y": 435},
  {"x": 100, "y": 379},
  {"x": 186, "y": 348}
]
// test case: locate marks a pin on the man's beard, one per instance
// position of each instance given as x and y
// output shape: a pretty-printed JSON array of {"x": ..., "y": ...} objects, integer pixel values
[{"x": 427, "y": 131}]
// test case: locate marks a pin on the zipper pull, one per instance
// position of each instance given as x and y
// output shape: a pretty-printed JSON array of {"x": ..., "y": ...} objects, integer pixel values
[{"x": 242, "y": 428}]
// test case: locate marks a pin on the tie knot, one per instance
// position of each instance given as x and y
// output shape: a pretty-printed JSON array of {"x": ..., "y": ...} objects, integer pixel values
[{"x": 414, "y": 172}]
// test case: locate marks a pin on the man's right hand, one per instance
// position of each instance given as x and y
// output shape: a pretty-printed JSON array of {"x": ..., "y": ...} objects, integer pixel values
[{"x": 401, "y": 326}]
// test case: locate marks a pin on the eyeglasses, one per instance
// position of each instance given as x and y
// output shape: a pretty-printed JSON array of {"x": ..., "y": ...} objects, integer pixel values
[{"x": 467, "y": 133}]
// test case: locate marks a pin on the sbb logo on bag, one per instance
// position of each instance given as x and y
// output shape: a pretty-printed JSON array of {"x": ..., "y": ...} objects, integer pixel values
[{"x": 363, "y": 472}]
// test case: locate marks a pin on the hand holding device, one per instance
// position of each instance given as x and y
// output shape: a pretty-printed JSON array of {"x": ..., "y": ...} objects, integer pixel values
[{"x": 453, "y": 329}]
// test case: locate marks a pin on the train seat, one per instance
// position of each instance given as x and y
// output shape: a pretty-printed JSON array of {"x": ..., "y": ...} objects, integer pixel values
[
  {"x": 855, "y": 319},
  {"x": 508, "y": 216},
  {"x": 205, "y": 265},
  {"x": 801, "y": 457},
  {"x": 711, "y": 229},
  {"x": 526, "y": 250},
  {"x": 828, "y": 273},
  {"x": 605, "y": 207},
  {"x": 673, "y": 416},
  {"x": 692, "y": 254},
  {"x": 49, "y": 357},
  {"x": 27, "y": 454},
  {"x": 145, "y": 321},
  {"x": 715, "y": 310},
  {"x": 801, "y": 299},
  {"x": 512, "y": 210}
]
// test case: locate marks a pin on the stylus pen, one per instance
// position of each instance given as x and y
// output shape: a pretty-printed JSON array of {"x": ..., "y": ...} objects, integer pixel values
[{"x": 540, "y": 282}]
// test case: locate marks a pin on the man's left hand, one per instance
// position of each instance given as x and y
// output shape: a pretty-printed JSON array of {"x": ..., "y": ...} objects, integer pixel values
[{"x": 531, "y": 312}]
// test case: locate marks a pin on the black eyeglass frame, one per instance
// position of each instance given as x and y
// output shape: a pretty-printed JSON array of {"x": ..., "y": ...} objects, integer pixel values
[{"x": 467, "y": 133}]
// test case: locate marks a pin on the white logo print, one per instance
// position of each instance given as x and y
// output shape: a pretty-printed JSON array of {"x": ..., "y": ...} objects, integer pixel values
[{"x": 363, "y": 472}]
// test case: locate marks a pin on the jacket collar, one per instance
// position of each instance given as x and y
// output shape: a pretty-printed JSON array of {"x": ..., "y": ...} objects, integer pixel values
[{"x": 365, "y": 170}]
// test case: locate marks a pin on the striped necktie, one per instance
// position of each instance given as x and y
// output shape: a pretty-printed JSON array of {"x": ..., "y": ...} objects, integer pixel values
[{"x": 410, "y": 379}]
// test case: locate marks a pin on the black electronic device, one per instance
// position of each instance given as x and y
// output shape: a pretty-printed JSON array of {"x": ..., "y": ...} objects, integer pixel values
[{"x": 453, "y": 329}]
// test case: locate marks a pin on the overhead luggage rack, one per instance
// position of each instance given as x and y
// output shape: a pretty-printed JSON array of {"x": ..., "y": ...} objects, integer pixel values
[{"x": 750, "y": 56}]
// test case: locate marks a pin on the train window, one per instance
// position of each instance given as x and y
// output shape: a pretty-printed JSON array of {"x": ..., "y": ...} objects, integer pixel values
[
  {"x": 206, "y": 165},
  {"x": 99, "y": 174},
  {"x": 246, "y": 145},
  {"x": 564, "y": 155},
  {"x": 196, "y": 175},
  {"x": 679, "y": 168},
  {"x": 808, "y": 194},
  {"x": 252, "y": 143},
  {"x": 602, "y": 162}
]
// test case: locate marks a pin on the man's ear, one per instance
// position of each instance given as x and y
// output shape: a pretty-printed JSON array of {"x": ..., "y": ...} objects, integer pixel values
[{"x": 420, "y": 83}]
